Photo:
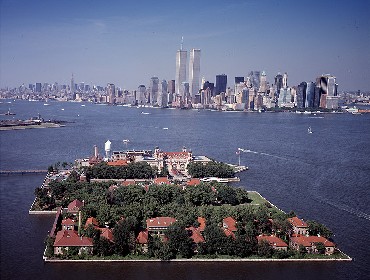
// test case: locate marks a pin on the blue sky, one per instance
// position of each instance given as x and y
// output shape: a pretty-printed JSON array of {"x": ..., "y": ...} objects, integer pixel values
[{"x": 127, "y": 42}]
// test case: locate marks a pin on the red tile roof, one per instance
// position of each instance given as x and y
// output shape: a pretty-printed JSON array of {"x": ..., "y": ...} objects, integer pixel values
[
  {"x": 273, "y": 240},
  {"x": 177, "y": 154},
  {"x": 229, "y": 233},
  {"x": 193, "y": 182},
  {"x": 70, "y": 238},
  {"x": 162, "y": 180},
  {"x": 107, "y": 233},
  {"x": 68, "y": 222},
  {"x": 159, "y": 222},
  {"x": 75, "y": 206},
  {"x": 308, "y": 241},
  {"x": 118, "y": 162},
  {"x": 296, "y": 222},
  {"x": 195, "y": 235},
  {"x": 112, "y": 188},
  {"x": 128, "y": 182},
  {"x": 229, "y": 223},
  {"x": 91, "y": 221},
  {"x": 142, "y": 237},
  {"x": 202, "y": 223}
]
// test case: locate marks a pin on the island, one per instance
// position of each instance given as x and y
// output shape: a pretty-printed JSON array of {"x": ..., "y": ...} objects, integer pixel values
[
  {"x": 159, "y": 206},
  {"x": 31, "y": 123}
]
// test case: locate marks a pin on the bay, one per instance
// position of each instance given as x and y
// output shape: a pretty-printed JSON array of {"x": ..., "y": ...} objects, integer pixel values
[{"x": 323, "y": 176}]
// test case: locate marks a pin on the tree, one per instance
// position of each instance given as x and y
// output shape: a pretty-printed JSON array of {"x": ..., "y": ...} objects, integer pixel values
[
  {"x": 320, "y": 247},
  {"x": 264, "y": 249},
  {"x": 179, "y": 241},
  {"x": 315, "y": 228},
  {"x": 122, "y": 235},
  {"x": 214, "y": 237},
  {"x": 93, "y": 233},
  {"x": 227, "y": 194},
  {"x": 201, "y": 194},
  {"x": 103, "y": 247},
  {"x": 211, "y": 169},
  {"x": 49, "y": 242},
  {"x": 302, "y": 250},
  {"x": 50, "y": 169}
]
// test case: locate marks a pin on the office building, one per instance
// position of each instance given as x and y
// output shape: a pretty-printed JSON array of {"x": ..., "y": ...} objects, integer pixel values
[
  {"x": 301, "y": 95},
  {"x": 194, "y": 72},
  {"x": 181, "y": 57},
  {"x": 239, "y": 80},
  {"x": 38, "y": 87},
  {"x": 221, "y": 83},
  {"x": 153, "y": 90}
]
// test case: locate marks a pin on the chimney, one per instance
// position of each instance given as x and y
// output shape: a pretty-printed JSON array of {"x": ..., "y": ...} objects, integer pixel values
[
  {"x": 96, "y": 154},
  {"x": 79, "y": 223}
]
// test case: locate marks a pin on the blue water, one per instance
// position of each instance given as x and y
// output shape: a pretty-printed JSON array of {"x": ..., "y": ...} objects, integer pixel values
[{"x": 323, "y": 176}]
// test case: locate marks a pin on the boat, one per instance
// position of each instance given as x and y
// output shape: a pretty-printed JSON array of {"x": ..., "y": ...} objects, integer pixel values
[
  {"x": 165, "y": 128},
  {"x": 145, "y": 113},
  {"x": 46, "y": 104},
  {"x": 309, "y": 130},
  {"x": 83, "y": 105}
]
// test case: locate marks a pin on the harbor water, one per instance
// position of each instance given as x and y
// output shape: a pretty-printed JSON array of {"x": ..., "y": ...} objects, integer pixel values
[{"x": 323, "y": 176}]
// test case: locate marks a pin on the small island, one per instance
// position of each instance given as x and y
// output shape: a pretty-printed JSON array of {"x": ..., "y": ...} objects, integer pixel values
[
  {"x": 27, "y": 124},
  {"x": 150, "y": 206}
]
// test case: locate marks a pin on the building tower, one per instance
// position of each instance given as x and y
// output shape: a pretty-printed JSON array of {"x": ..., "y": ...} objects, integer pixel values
[
  {"x": 181, "y": 57},
  {"x": 154, "y": 82},
  {"x": 72, "y": 85},
  {"x": 285, "y": 80},
  {"x": 221, "y": 83},
  {"x": 194, "y": 72}
]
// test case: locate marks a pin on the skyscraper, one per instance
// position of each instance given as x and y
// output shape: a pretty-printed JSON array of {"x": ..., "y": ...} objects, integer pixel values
[
  {"x": 111, "y": 92},
  {"x": 221, "y": 83},
  {"x": 194, "y": 72},
  {"x": 154, "y": 82},
  {"x": 327, "y": 91},
  {"x": 181, "y": 57},
  {"x": 72, "y": 85}
]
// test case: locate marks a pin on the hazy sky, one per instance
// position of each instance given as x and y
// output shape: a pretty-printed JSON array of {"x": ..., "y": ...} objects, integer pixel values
[{"x": 127, "y": 42}]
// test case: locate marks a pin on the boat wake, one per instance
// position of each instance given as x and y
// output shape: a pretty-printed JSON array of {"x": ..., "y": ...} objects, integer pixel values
[
  {"x": 345, "y": 208},
  {"x": 259, "y": 153}
]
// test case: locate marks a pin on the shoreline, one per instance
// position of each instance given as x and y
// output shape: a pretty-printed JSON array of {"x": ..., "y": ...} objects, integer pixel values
[
  {"x": 349, "y": 259},
  {"x": 31, "y": 126}
]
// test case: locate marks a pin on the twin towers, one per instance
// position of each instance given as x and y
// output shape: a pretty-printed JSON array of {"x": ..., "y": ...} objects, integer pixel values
[{"x": 182, "y": 86}]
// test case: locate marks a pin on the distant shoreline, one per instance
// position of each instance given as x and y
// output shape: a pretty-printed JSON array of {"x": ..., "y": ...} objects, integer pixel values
[{"x": 22, "y": 127}]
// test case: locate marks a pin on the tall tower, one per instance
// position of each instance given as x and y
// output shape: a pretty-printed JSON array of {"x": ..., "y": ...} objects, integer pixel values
[
  {"x": 194, "y": 72},
  {"x": 154, "y": 82},
  {"x": 181, "y": 57},
  {"x": 285, "y": 80},
  {"x": 72, "y": 85}
]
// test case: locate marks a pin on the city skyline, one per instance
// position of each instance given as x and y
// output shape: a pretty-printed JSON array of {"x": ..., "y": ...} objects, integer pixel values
[{"x": 127, "y": 44}]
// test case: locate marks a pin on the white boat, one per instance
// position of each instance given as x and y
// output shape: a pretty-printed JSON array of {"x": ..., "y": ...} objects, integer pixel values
[
  {"x": 165, "y": 128},
  {"x": 309, "y": 130},
  {"x": 46, "y": 104},
  {"x": 145, "y": 113},
  {"x": 83, "y": 105}
]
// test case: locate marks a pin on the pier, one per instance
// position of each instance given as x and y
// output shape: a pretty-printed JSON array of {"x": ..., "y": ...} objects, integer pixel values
[{"x": 22, "y": 172}]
